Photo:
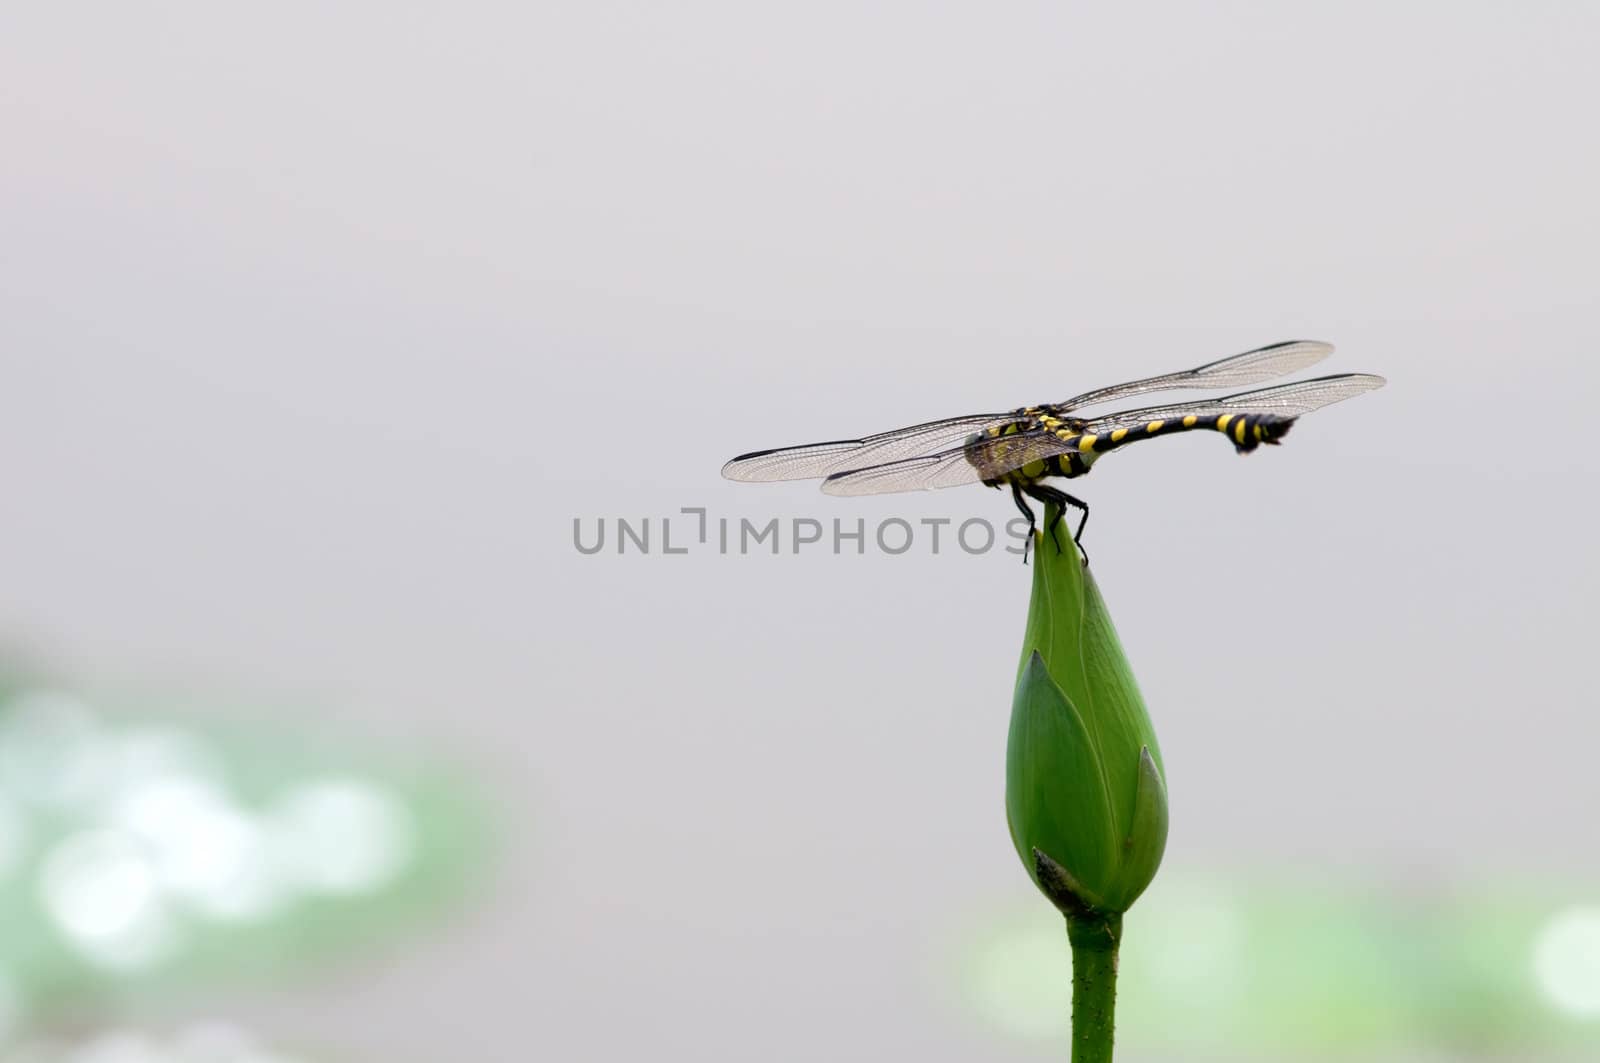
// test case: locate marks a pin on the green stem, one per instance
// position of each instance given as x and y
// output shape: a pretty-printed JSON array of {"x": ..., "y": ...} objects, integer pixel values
[{"x": 1094, "y": 940}]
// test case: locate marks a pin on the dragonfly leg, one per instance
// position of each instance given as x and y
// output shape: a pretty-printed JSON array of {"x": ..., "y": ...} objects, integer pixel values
[
  {"x": 1033, "y": 522},
  {"x": 1062, "y": 500}
]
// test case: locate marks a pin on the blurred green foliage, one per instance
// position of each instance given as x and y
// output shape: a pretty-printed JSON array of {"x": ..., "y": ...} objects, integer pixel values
[
  {"x": 1220, "y": 969},
  {"x": 143, "y": 856}
]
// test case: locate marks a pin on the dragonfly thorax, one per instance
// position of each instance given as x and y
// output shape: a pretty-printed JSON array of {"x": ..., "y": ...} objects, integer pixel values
[{"x": 1027, "y": 450}]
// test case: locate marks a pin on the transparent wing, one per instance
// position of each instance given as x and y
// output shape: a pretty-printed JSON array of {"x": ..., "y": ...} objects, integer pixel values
[
  {"x": 823, "y": 459},
  {"x": 1241, "y": 370},
  {"x": 1285, "y": 400},
  {"x": 934, "y": 443},
  {"x": 991, "y": 458},
  {"x": 985, "y": 460}
]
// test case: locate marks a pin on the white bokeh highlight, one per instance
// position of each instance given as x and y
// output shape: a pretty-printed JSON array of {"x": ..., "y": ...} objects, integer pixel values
[
  {"x": 342, "y": 836},
  {"x": 1566, "y": 961},
  {"x": 200, "y": 1042},
  {"x": 104, "y": 894},
  {"x": 51, "y": 752},
  {"x": 204, "y": 847}
]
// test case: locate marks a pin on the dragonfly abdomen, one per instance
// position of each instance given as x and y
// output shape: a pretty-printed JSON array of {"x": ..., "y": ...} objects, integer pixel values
[{"x": 1246, "y": 430}]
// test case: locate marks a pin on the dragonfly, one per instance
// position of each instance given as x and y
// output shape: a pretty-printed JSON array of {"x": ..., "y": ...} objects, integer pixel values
[{"x": 1021, "y": 449}]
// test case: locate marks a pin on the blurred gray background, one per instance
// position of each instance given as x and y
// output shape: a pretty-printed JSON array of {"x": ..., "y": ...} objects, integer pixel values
[{"x": 320, "y": 325}]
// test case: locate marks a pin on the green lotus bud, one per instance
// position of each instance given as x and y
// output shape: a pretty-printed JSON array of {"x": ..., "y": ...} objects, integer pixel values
[{"x": 1086, "y": 798}]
